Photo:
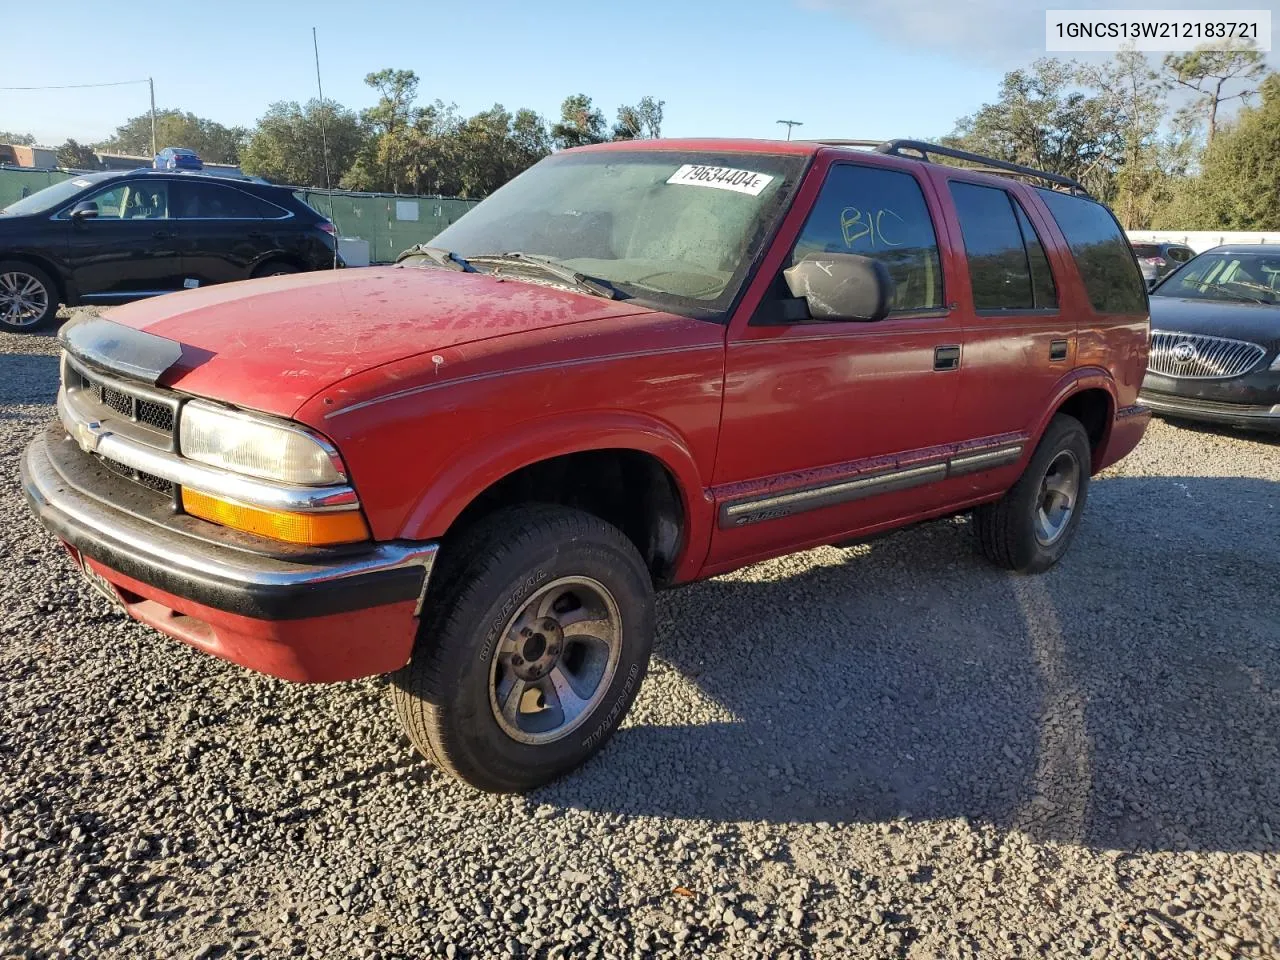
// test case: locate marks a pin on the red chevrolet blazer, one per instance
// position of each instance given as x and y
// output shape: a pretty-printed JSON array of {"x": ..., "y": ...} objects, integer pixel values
[{"x": 636, "y": 365}]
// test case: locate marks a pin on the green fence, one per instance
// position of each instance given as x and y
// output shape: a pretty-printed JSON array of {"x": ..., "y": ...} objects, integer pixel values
[
  {"x": 390, "y": 223},
  {"x": 16, "y": 183}
]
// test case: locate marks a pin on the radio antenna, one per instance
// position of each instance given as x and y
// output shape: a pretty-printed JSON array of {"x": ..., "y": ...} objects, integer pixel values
[{"x": 324, "y": 148}]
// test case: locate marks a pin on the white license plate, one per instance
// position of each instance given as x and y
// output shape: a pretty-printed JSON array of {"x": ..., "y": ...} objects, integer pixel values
[{"x": 100, "y": 583}]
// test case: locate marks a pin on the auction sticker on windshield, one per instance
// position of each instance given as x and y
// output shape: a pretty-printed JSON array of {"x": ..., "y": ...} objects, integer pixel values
[{"x": 722, "y": 178}]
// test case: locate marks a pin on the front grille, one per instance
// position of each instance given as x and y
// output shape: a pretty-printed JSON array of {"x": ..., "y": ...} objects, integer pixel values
[
  {"x": 152, "y": 409},
  {"x": 1198, "y": 356},
  {"x": 150, "y": 481}
]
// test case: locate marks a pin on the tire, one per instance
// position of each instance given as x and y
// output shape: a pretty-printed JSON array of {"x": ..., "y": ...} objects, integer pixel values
[
  {"x": 503, "y": 610},
  {"x": 1015, "y": 532},
  {"x": 28, "y": 297},
  {"x": 274, "y": 268}
]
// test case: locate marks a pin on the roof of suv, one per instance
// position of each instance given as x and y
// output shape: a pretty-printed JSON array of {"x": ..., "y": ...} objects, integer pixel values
[{"x": 916, "y": 151}]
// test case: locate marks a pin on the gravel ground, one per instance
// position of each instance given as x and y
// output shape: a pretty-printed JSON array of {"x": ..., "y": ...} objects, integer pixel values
[{"x": 887, "y": 751}]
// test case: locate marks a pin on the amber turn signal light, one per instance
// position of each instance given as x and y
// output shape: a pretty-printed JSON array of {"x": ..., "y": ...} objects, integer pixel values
[{"x": 311, "y": 529}]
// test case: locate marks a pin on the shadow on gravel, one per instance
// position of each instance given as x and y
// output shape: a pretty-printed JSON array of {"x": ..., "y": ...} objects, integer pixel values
[
  {"x": 1271, "y": 437},
  {"x": 28, "y": 378},
  {"x": 1128, "y": 699}
]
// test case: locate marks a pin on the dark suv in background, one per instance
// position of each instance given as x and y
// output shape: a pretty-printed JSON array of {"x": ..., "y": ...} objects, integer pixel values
[{"x": 111, "y": 237}]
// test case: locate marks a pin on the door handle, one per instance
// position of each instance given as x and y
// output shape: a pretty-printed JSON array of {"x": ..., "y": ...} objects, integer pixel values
[
  {"x": 256, "y": 235},
  {"x": 946, "y": 357},
  {"x": 162, "y": 234},
  {"x": 1057, "y": 350}
]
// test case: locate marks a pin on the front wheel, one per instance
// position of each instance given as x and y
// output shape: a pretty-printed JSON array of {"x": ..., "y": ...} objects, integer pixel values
[
  {"x": 533, "y": 645},
  {"x": 28, "y": 297},
  {"x": 1030, "y": 527}
]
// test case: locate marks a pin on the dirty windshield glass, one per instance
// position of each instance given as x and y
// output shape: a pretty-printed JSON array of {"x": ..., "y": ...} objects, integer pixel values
[
  {"x": 678, "y": 230},
  {"x": 48, "y": 198}
]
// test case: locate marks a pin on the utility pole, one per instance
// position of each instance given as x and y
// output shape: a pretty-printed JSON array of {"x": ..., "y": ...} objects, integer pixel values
[
  {"x": 790, "y": 124},
  {"x": 151, "y": 81}
]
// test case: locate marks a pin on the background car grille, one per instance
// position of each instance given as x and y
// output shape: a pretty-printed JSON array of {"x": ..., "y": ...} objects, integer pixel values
[{"x": 1199, "y": 356}]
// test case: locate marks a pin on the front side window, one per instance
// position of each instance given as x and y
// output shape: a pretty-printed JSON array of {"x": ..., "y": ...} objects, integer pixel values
[
  {"x": 1102, "y": 255},
  {"x": 680, "y": 230},
  {"x": 1008, "y": 268},
  {"x": 133, "y": 200},
  {"x": 879, "y": 214}
]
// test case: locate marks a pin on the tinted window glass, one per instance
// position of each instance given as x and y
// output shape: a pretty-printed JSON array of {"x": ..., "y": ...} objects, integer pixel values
[
  {"x": 1146, "y": 250},
  {"x": 209, "y": 201},
  {"x": 998, "y": 267},
  {"x": 1110, "y": 273},
  {"x": 1180, "y": 254},
  {"x": 1042, "y": 285},
  {"x": 880, "y": 214},
  {"x": 133, "y": 200}
]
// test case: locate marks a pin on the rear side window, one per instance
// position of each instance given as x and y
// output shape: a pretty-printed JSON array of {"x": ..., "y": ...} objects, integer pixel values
[
  {"x": 1007, "y": 265},
  {"x": 1180, "y": 254},
  {"x": 880, "y": 214},
  {"x": 210, "y": 201},
  {"x": 1110, "y": 272}
]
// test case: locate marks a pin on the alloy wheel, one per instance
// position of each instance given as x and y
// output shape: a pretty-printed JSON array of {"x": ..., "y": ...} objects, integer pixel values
[
  {"x": 555, "y": 661},
  {"x": 24, "y": 299},
  {"x": 1059, "y": 491}
]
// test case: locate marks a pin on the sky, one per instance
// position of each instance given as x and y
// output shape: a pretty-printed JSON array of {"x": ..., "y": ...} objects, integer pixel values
[{"x": 844, "y": 68}]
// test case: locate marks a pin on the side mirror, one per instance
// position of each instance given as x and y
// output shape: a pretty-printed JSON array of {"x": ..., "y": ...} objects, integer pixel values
[
  {"x": 842, "y": 286},
  {"x": 84, "y": 210}
]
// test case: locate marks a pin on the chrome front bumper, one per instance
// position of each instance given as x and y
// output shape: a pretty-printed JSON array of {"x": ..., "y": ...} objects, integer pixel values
[{"x": 216, "y": 574}]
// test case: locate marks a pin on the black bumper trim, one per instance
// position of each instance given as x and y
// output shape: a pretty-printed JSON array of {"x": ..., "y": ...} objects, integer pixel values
[
  {"x": 1254, "y": 417},
  {"x": 259, "y": 587}
]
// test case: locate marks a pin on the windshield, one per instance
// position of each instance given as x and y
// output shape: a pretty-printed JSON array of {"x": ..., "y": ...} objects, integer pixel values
[
  {"x": 677, "y": 230},
  {"x": 1226, "y": 276},
  {"x": 50, "y": 198}
]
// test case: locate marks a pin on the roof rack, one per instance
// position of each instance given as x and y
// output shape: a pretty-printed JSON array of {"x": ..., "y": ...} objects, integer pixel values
[{"x": 920, "y": 150}]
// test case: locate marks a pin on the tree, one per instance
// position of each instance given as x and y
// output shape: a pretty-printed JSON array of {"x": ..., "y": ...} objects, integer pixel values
[
  {"x": 1208, "y": 72},
  {"x": 1044, "y": 119},
  {"x": 77, "y": 156},
  {"x": 288, "y": 144},
  {"x": 640, "y": 122},
  {"x": 1239, "y": 177},
  {"x": 391, "y": 120},
  {"x": 580, "y": 123},
  {"x": 214, "y": 142},
  {"x": 1134, "y": 102},
  {"x": 17, "y": 139}
]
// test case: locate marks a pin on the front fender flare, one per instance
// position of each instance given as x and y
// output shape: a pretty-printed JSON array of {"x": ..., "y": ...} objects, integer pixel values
[{"x": 477, "y": 467}]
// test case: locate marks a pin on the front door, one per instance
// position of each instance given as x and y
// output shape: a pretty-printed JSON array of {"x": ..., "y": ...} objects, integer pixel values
[
  {"x": 831, "y": 428},
  {"x": 129, "y": 249}
]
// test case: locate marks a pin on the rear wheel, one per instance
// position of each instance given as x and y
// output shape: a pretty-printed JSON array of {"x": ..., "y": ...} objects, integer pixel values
[
  {"x": 533, "y": 644},
  {"x": 28, "y": 297},
  {"x": 1031, "y": 526},
  {"x": 274, "y": 268}
]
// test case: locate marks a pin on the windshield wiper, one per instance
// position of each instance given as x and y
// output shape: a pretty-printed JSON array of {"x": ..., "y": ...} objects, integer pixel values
[
  {"x": 1239, "y": 296},
  {"x": 443, "y": 258},
  {"x": 593, "y": 285}
]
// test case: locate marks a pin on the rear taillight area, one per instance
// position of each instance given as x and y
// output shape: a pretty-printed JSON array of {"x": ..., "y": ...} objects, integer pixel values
[
  {"x": 328, "y": 227},
  {"x": 1154, "y": 261}
]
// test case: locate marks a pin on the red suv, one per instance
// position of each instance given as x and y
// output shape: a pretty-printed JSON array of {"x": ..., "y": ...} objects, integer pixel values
[{"x": 634, "y": 366}]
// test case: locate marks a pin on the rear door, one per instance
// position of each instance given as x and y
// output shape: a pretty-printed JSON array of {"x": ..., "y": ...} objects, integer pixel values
[
  {"x": 221, "y": 230},
  {"x": 1019, "y": 343},
  {"x": 130, "y": 249}
]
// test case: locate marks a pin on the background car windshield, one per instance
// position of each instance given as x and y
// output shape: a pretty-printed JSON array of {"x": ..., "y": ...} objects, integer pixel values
[
  {"x": 47, "y": 199},
  {"x": 678, "y": 229},
  {"x": 1226, "y": 276}
]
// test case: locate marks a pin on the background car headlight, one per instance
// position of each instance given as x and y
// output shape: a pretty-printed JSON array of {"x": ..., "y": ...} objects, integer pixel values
[{"x": 250, "y": 445}]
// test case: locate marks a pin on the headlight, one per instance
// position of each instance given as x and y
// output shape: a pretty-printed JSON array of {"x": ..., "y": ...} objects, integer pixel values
[
  {"x": 258, "y": 447},
  {"x": 1275, "y": 364}
]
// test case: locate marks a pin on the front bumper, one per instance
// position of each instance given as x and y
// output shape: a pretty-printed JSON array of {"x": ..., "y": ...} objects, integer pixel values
[
  {"x": 1246, "y": 416},
  {"x": 329, "y": 618}
]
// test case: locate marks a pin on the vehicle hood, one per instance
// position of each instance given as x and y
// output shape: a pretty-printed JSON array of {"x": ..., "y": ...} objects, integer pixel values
[
  {"x": 1239, "y": 320},
  {"x": 271, "y": 344}
]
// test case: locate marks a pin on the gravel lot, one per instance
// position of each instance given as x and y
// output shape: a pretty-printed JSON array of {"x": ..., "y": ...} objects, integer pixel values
[{"x": 887, "y": 751}]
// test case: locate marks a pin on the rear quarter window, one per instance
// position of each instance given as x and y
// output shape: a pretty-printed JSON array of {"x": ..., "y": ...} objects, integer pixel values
[{"x": 1109, "y": 271}]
